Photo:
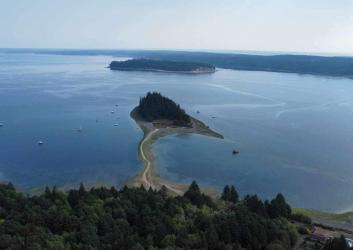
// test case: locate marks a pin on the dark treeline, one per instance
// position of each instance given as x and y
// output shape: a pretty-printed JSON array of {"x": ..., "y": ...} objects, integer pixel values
[
  {"x": 302, "y": 64},
  {"x": 154, "y": 106},
  {"x": 163, "y": 65},
  {"x": 135, "y": 218}
]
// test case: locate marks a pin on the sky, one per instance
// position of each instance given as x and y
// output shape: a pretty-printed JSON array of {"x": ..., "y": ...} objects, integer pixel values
[{"x": 323, "y": 26}]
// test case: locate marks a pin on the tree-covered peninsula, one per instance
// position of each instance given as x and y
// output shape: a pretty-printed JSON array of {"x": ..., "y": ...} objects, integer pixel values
[
  {"x": 136, "y": 218},
  {"x": 155, "y": 106},
  {"x": 162, "y": 65},
  {"x": 159, "y": 116}
]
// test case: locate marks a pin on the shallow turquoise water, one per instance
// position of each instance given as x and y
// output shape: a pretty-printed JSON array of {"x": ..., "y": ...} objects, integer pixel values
[{"x": 294, "y": 133}]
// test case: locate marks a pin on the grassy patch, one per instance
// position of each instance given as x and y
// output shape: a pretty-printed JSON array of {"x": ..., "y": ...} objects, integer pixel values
[{"x": 345, "y": 217}]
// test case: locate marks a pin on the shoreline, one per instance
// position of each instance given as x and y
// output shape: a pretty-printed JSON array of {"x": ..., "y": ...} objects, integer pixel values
[
  {"x": 148, "y": 178},
  {"x": 191, "y": 72},
  {"x": 152, "y": 131}
]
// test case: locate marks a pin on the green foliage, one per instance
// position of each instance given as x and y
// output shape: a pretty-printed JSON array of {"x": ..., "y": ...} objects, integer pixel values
[
  {"x": 302, "y": 64},
  {"x": 304, "y": 230},
  {"x": 154, "y": 106},
  {"x": 161, "y": 65},
  {"x": 275, "y": 246},
  {"x": 255, "y": 205},
  {"x": 134, "y": 218},
  {"x": 56, "y": 242},
  {"x": 278, "y": 207},
  {"x": 293, "y": 234},
  {"x": 341, "y": 217},
  {"x": 230, "y": 194},
  {"x": 194, "y": 195},
  {"x": 301, "y": 218}
]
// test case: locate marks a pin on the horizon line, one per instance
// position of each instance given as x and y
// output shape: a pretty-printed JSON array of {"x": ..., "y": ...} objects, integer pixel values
[{"x": 255, "y": 52}]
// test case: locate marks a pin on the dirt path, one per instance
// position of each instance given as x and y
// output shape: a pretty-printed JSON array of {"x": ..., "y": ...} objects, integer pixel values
[
  {"x": 146, "y": 179},
  {"x": 147, "y": 174},
  {"x": 152, "y": 132}
]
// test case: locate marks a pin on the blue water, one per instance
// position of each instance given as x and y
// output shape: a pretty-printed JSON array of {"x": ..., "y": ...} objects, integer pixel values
[
  {"x": 294, "y": 132},
  {"x": 49, "y": 98}
]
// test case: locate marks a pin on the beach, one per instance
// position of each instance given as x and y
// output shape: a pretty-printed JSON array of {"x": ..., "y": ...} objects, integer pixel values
[{"x": 152, "y": 132}]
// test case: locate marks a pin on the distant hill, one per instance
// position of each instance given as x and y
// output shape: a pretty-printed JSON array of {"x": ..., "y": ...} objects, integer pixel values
[
  {"x": 340, "y": 66},
  {"x": 162, "y": 65},
  {"x": 154, "y": 106},
  {"x": 301, "y": 64}
]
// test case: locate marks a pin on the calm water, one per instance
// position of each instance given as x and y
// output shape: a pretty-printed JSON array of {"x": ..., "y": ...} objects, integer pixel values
[{"x": 294, "y": 133}]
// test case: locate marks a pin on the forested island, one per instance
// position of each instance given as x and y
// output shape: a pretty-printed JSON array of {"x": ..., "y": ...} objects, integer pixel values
[
  {"x": 154, "y": 107},
  {"x": 302, "y": 64},
  {"x": 160, "y": 116},
  {"x": 339, "y": 66},
  {"x": 162, "y": 65}
]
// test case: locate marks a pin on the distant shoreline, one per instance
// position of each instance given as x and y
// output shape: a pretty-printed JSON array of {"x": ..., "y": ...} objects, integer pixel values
[
  {"x": 167, "y": 71},
  {"x": 280, "y": 62},
  {"x": 152, "y": 132},
  {"x": 167, "y": 66}
]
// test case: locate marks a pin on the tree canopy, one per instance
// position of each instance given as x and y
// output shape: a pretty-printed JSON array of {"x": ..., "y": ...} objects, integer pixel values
[
  {"x": 161, "y": 65},
  {"x": 154, "y": 106},
  {"x": 134, "y": 218},
  {"x": 230, "y": 194}
]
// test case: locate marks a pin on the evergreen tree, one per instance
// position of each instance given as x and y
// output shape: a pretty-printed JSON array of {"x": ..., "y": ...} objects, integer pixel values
[
  {"x": 11, "y": 186},
  {"x": 194, "y": 194},
  {"x": 226, "y": 193},
  {"x": 234, "y": 196},
  {"x": 279, "y": 208},
  {"x": 82, "y": 190},
  {"x": 105, "y": 218},
  {"x": 47, "y": 192},
  {"x": 254, "y": 204},
  {"x": 230, "y": 194},
  {"x": 154, "y": 106}
]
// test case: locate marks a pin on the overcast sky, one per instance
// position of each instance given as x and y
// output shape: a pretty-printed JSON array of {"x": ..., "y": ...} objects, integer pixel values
[{"x": 260, "y": 25}]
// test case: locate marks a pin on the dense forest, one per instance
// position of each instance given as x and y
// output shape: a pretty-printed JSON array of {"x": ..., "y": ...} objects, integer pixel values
[
  {"x": 161, "y": 65},
  {"x": 154, "y": 106},
  {"x": 135, "y": 218},
  {"x": 301, "y": 64}
]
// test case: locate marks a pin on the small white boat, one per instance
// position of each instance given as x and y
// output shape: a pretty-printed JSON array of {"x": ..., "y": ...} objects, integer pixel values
[
  {"x": 112, "y": 111},
  {"x": 1, "y": 124},
  {"x": 40, "y": 142},
  {"x": 115, "y": 125}
]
